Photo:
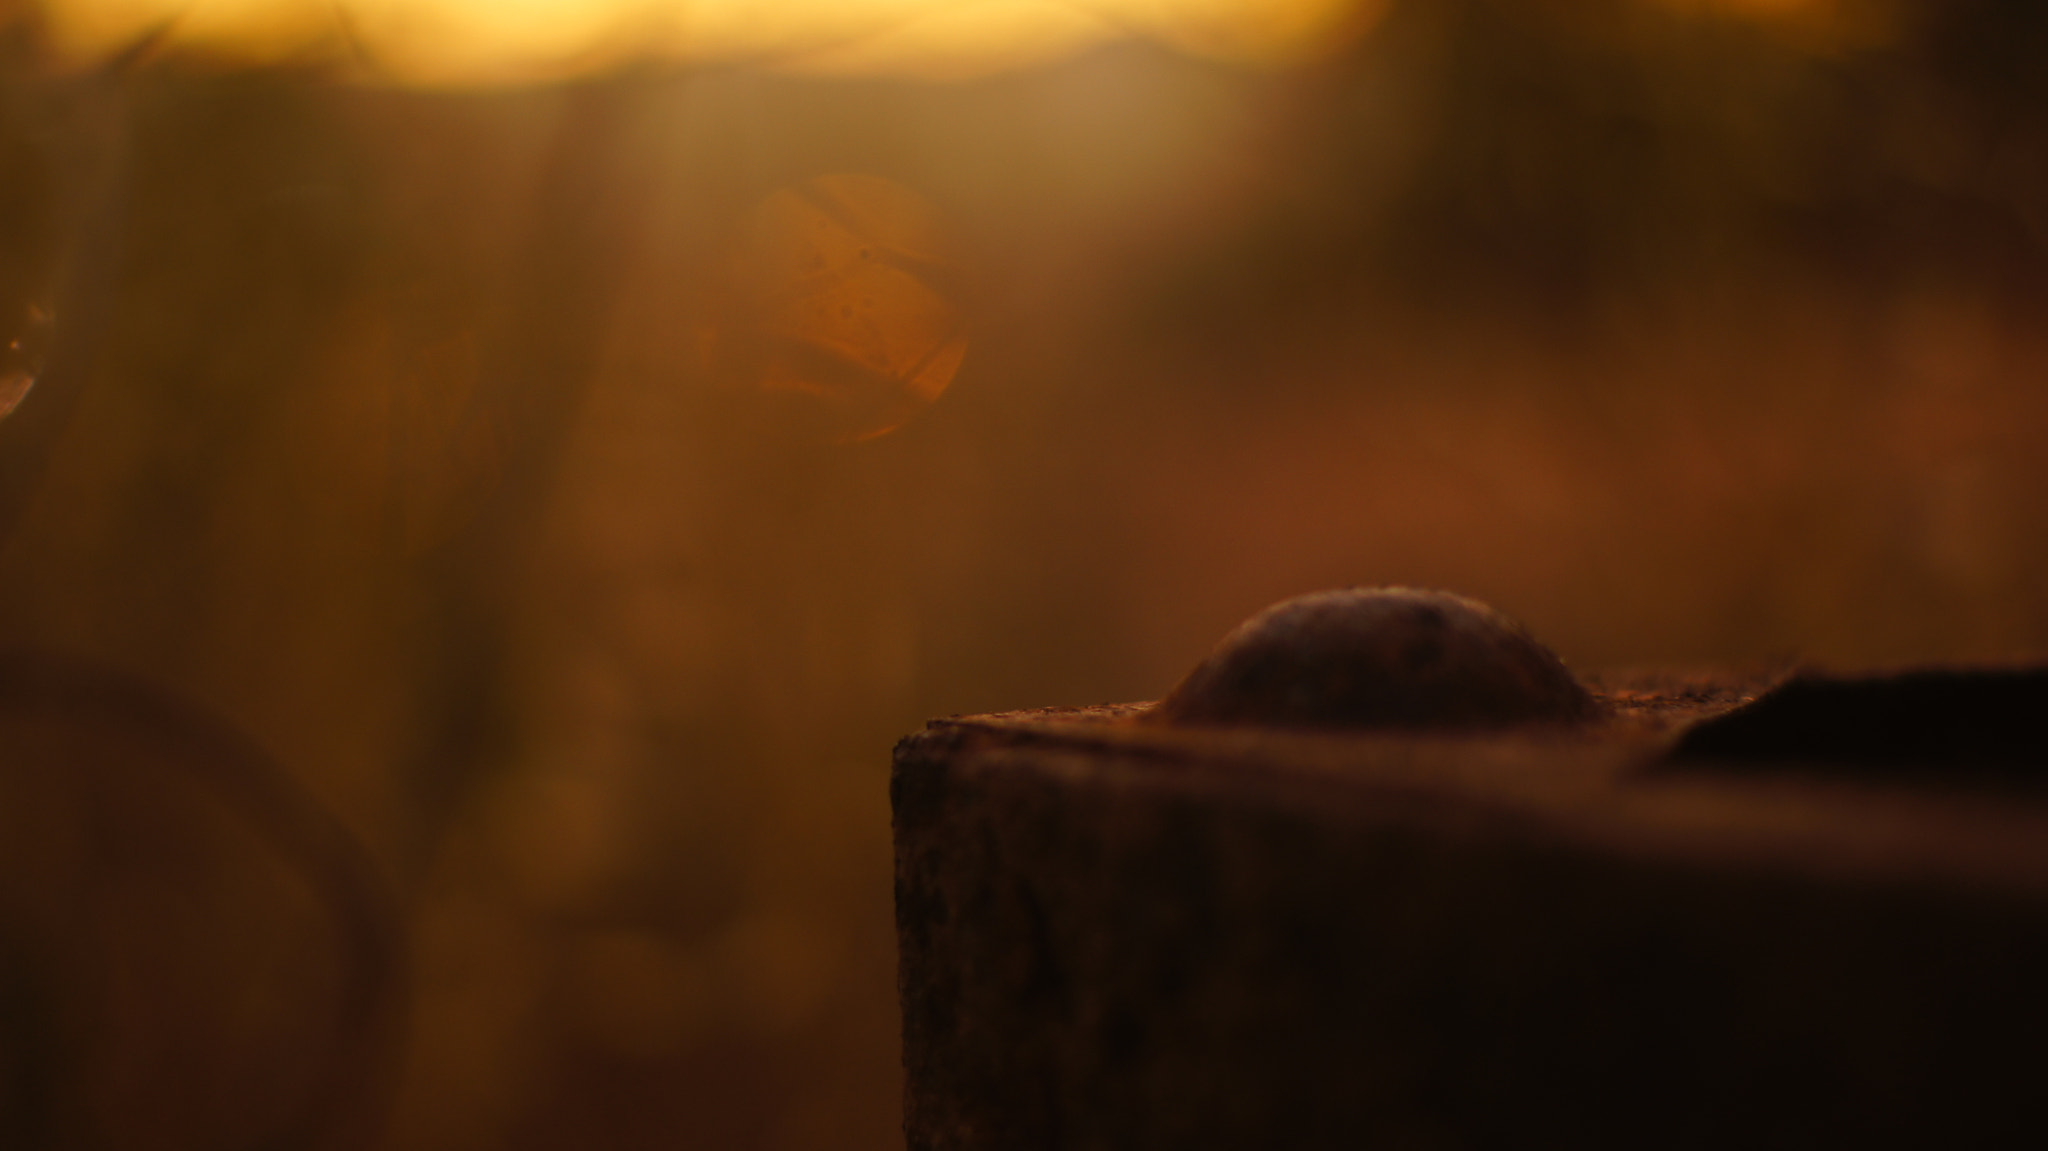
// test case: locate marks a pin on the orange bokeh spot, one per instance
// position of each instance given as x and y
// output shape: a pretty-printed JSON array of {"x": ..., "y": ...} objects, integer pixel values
[{"x": 841, "y": 305}]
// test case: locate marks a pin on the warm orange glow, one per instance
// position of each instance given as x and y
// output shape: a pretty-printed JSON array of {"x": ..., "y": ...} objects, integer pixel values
[
  {"x": 840, "y": 306},
  {"x": 14, "y": 388},
  {"x": 21, "y": 358},
  {"x": 469, "y": 42}
]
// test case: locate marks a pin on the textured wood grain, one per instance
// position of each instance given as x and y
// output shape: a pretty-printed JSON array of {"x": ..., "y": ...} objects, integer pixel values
[{"x": 1664, "y": 929}]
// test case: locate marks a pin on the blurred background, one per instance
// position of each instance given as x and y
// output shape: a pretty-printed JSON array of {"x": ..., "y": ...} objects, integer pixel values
[{"x": 576, "y": 439}]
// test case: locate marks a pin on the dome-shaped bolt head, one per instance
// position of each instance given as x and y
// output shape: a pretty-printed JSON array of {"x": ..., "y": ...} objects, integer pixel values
[{"x": 1379, "y": 658}]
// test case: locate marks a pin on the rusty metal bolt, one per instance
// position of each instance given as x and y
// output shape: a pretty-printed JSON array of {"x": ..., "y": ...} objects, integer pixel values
[{"x": 1390, "y": 658}]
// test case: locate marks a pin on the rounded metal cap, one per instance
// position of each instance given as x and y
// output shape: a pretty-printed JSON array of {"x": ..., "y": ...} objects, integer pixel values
[{"x": 1394, "y": 658}]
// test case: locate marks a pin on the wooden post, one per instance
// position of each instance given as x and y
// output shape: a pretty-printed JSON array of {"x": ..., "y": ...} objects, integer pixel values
[{"x": 1684, "y": 924}]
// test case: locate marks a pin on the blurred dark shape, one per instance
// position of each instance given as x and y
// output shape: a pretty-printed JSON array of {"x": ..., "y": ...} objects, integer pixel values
[
  {"x": 509, "y": 436},
  {"x": 842, "y": 308},
  {"x": 193, "y": 953},
  {"x": 1567, "y": 160},
  {"x": 64, "y": 243},
  {"x": 1930, "y": 726}
]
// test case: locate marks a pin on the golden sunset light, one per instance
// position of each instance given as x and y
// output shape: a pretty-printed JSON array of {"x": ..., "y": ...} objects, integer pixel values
[
  {"x": 594, "y": 573},
  {"x": 484, "y": 42}
]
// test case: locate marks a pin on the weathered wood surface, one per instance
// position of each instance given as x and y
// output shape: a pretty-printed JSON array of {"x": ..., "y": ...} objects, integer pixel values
[{"x": 1697, "y": 922}]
